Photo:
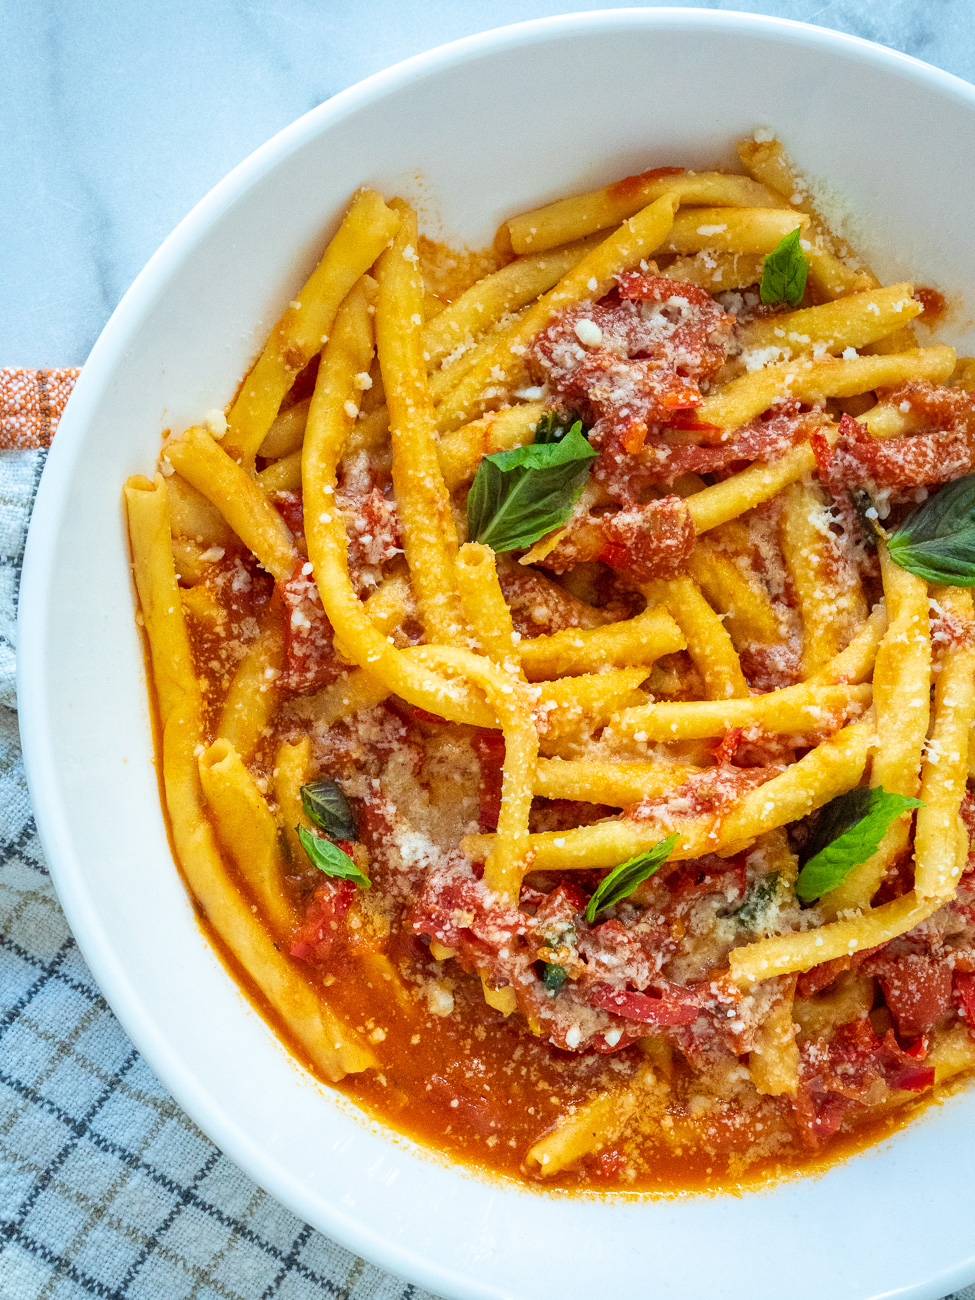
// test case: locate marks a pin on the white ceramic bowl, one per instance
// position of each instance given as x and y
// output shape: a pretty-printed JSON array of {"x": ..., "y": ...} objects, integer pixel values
[{"x": 489, "y": 125}]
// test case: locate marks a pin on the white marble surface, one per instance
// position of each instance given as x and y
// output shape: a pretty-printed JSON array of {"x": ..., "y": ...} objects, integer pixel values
[{"x": 116, "y": 116}]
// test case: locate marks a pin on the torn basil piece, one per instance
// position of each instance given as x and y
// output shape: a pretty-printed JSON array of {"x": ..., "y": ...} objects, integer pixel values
[
  {"x": 847, "y": 832},
  {"x": 937, "y": 540},
  {"x": 330, "y": 859},
  {"x": 326, "y": 806}
]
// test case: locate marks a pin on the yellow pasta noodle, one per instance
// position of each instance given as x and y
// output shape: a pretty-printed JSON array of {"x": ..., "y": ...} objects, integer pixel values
[
  {"x": 575, "y": 217},
  {"x": 365, "y": 231},
  {"x": 708, "y": 643},
  {"x": 944, "y": 773},
  {"x": 579, "y": 650},
  {"x": 209, "y": 468},
  {"x": 793, "y": 709},
  {"x": 429, "y": 538},
  {"x": 247, "y": 829},
  {"x": 901, "y": 699}
]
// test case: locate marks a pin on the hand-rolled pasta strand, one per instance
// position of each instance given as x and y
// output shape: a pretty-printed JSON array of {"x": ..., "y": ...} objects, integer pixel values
[
  {"x": 491, "y": 298},
  {"x": 855, "y": 664},
  {"x": 193, "y": 516},
  {"x": 827, "y": 590},
  {"x": 282, "y": 475},
  {"x": 422, "y": 500},
  {"x": 813, "y": 381},
  {"x": 207, "y": 466},
  {"x": 731, "y": 230},
  {"x": 724, "y": 501},
  {"x": 583, "y": 214},
  {"x": 247, "y": 830},
  {"x": 292, "y": 764},
  {"x": 365, "y": 231},
  {"x": 716, "y": 272},
  {"x": 940, "y": 840},
  {"x": 773, "y": 1063},
  {"x": 742, "y": 603},
  {"x": 589, "y": 1127},
  {"x": 901, "y": 697},
  {"x": 850, "y": 322},
  {"x": 708, "y": 643},
  {"x": 173, "y": 671},
  {"x": 461, "y": 451},
  {"x": 331, "y": 1048},
  {"x": 345, "y": 698},
  {"x": 787, "y": 953},
  {"x": 793, "y": 709},
  {"x": 641, "y": 639},
  {"x": 287, "y": 433},
  {"x": 348, "y": 353},
  {"x": 484, "y": 605},
  {"x": 570, "y": 708},
  {"x": 621, "y": 785},
  {"x": 252, "y": 696}
]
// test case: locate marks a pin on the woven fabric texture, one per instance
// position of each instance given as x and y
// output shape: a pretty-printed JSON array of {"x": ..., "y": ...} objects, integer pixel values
[
  {"x": 106, "y": 1188},
  {"x": 31, "y": 404}
]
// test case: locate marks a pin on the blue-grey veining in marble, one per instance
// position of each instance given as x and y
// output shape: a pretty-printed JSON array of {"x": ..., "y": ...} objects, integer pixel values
[{"x": 116, "y": 116}]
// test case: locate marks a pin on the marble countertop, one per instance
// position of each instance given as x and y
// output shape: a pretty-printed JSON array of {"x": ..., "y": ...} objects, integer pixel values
[{"x": 116, "y": 118}]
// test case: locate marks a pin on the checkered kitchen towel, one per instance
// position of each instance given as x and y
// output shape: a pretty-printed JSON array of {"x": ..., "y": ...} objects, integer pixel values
[{"x": 106, "y": 1188}]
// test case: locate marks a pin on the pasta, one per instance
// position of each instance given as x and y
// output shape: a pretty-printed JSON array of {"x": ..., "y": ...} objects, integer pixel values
[{"x": 565, "y": 688}]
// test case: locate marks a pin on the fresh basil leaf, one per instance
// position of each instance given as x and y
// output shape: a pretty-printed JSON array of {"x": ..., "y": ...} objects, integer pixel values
[
  {"x": 785, "y": 270},
  {"x": 622, "y": 880},
  {"x": 330, "y": 859},
  {"x": 326, "y": 806},
  {"x": 937, "y": 540},
  {"x": 553, "y": 977},
  {"x": 520, "y": 495},
  {"x": 848, "y": 831},
  {"x": 553, "y": 426}
]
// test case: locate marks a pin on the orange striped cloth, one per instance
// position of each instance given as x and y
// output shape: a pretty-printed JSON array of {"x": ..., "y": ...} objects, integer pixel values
[{"x": 31, "y": 404}]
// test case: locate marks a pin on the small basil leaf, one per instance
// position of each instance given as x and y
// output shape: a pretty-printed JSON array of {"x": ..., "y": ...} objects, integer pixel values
[
  {"x": 848, "y": 831},
  {"x": 553, "y": 426},
  {"x": 520, "y": 495},
  {"x": 553, "y": 977},
  {"x": 330, "y": 859},
  {"x": 937, "y": 540},
  {"x": 622, "y": 880},
  {"x": 326, "y": 806},
  {"x": 785, "y": 270}
]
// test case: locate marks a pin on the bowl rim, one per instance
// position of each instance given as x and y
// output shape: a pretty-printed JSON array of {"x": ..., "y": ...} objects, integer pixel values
[{"x": 38, "y": 727}]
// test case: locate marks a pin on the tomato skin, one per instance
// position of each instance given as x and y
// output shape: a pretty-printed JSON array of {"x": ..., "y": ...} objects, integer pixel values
[
  {"x": 671, "y": 1008},
  {"x": 489, "y": 748},
  {"x": 917, "y": 990},
  {"x": 964, "y": 984},
  {"x": 323, "y": 931}
]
